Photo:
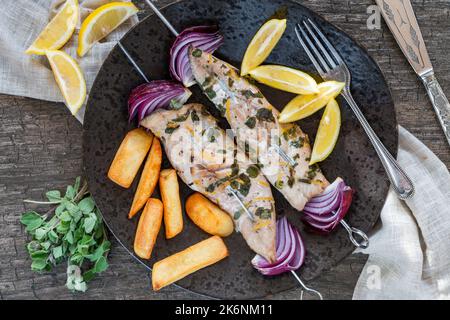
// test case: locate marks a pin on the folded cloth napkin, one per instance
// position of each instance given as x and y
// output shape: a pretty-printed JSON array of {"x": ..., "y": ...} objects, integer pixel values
[
  {"x": 21, "y": 21},
  {"x": 409, "y": 255},
  {"x": 410, "y": 252}
]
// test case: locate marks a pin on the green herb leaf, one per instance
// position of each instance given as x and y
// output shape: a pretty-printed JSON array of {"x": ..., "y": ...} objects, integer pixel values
[
  {"x": 264, "y": 213},
  {"x": 194, "y": 116},
  {"x": 249, "y": 94},
  {"x": 253, "y": 171},
  {"x": 175, "y": 104},
  {"x": 89, "y": 224},
  {"x": 207, "y": 82},
  {"x": 181, "y": 118},
  {"x": 65, "y": 216},
  {"x": 279, "y": 184},
  {"x": 101, "y": 265},
  {"x": 234, "y": 168},
  {"x": 100, "y": 251},
  {"x": 70, "y": 193},
  {"x": 69, "y": 237},
  {"x": 89, "y": 275},
  {"x": 53, "y": 195},
  {"x": 57, "y": 252},
  {"x": 264, "y": 114},
  {"x": 170, "y": 130},
  {"x": 74, "y": 233},
  {"x": 197, "y": 53},
  {"x": 235, "y": 185},
  {"x": 251, "y": 122},
  {"x": 210, "y": 93},
  {"x": 86, "y": 205},
  {"x": 32, "y": 220},
  {"x": 39, "y": 264},
  {"x": 211, "y": 188},
  {"x": 71, "y": 207},
  {"x": 40, "y": 233}
]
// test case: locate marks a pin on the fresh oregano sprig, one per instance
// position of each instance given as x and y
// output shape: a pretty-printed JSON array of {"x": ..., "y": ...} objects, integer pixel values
[{"x": 74, "y": 233}]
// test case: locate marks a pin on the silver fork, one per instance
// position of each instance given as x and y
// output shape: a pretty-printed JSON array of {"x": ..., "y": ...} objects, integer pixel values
[{"x": 331, "y": 66}]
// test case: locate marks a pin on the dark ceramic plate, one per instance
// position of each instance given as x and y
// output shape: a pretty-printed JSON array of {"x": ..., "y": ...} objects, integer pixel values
[{"x": 354, "y": 159}]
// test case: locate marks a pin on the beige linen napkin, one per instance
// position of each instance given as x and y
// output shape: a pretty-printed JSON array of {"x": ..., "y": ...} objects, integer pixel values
[
  {"x": 410, "y": 253},
  {"x": 21, "y": 21}
]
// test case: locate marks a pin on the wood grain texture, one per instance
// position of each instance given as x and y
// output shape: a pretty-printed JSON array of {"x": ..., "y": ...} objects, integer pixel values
[{"x": 40, "y": 149}]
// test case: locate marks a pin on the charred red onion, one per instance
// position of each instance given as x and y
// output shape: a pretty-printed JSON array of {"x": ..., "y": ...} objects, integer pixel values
[
  {"x": 324, "y": 212},
  {"x": 148, "y": 97},
  {"x": 290, "y": 251},
  {"x": 205, "y": 38}
]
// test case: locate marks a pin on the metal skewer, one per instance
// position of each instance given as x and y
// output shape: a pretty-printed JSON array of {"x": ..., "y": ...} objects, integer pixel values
[
  {"x": 352, "y": 231},
  {"x": 283, "y": 154},
  {"x": 364, "y": 244},
  {"x": 302, "y": 284},
  {"x": 162, "y": 17},
  {"x": 135, "y": 65},
  {"x": 307, "y": 289},
  {"x": 250, "y": 215}
]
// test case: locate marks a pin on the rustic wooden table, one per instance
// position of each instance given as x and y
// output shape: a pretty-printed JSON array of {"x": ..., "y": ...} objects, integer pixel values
[{"x": 40, "y": 149}]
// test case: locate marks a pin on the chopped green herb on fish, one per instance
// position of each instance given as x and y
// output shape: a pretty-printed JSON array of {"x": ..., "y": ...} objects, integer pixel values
[
  {"x": 251, "y": 122},
  {"x": 197, "y": 53},
  {"x": 264, "y": 114}
]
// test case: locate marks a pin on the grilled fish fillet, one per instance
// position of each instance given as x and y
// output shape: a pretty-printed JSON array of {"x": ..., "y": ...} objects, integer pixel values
[
  {"x": 255, "y": 124},
  {"x": 208, "y": 161}
]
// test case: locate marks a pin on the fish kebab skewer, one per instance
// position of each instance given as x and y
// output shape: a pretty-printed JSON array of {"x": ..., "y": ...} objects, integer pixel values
[
  {"x": 282, "y": 150},
  {"x": 209, "y": 162}
]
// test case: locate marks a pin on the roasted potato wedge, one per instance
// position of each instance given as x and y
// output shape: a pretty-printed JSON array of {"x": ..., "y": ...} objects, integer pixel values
[
  {"x": 129, "y": 157},
  {"x": 208, "y": 217},
  {"x": 181, "y": 264},
  {"x": 149, "y": 178},
  {"x": 148, "y": 228},
  {"x": 170, "y": 196}
]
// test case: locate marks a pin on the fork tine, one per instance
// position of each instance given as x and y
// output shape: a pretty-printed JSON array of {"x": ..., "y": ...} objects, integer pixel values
[
  {"x": 308, "y": 52},
  {"x": 324, "y": 65},
  {"x": 321, "y": 47},
  {"x": 330, "y": 47}
]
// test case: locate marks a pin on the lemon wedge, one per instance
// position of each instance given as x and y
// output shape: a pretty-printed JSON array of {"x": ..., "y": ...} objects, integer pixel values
[
  {"x": 58, "y": 31},
  {"x": 101, "y": 22},
  {"x": 305, "y": 105},
  {"x": 328, "y": 133},
  {"x": 286, "y": 79},
  {"x": 69, "y": 77},
  {"x": 262, "y": 44}
]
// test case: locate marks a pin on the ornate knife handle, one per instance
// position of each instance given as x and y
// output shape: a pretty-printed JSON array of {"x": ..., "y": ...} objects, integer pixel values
[{"x": 439, "y": 100}]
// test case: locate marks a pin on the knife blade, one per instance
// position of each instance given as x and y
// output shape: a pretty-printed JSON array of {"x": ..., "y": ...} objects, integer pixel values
[{"x": 401, "y": 20}]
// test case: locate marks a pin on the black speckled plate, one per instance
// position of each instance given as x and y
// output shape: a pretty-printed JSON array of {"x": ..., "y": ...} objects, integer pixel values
[{"x": 353, "y": 159}]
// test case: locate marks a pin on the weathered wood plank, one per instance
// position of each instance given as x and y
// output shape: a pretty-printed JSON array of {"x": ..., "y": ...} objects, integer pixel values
[{"x": 40, "y": 149}]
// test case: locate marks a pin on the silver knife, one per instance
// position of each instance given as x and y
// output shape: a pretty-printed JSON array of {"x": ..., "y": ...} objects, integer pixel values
[{"x": 399, "y": 16}]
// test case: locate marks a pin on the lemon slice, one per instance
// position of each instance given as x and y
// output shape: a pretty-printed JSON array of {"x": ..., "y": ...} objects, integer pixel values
[
  {"x": 262, "y": 44},
  {"x": 286, "y": 79},
  {"x": 101, "y": 22},
  {"x": 69, "y": 77},
  {"x": 328, "y": 133},
  {"x": 304, "y": 106},
  {"x": 58, "y": 31}
]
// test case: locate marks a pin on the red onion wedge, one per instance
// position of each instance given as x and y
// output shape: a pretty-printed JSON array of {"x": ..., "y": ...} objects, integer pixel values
[
  {"x": 206, "y": 38},
  {"x": 326, "y": 211},
  {"x": 148, "y": 97},
  {"x": 290, "y": 251}
]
